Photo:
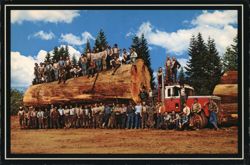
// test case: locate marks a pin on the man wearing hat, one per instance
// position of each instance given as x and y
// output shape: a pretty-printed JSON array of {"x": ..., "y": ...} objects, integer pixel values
[{"x": 20, "y": 114}]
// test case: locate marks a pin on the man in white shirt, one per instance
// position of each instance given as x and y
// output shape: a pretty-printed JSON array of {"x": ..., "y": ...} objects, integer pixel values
[
  {"x": 138, "y": 111},
  {"x": 133, "y": 55},
  {"x": 40, "y": 115},
  {"x": 20, "y": 114},
  {"x": 185, "y": 115},
  {"x": 72, "y": 115}
]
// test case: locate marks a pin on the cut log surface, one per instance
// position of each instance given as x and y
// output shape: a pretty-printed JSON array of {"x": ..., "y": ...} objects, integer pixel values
[
  {"x": 124, "y": 84},
  {"x": 227, "y": 92},
  {"x": 231, "y": 108},
  {"x": 230, "y": 77}
]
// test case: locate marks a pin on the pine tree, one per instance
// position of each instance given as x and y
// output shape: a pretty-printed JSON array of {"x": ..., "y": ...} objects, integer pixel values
[
  {"x": 66, "y": 53},
  {"x": 88, "y": 47},
  {"x": 195, "y": 66},
  {"x": 47, "y": 57},
  {"x": 213, "y": 65},
  {"x": 136, "y": 45},
  {"x": 230, "y": 58},
  {"x": 74, "y": 60},
  {"x": 204, "y": 67},
  {"x": 101, "y": 41},
  {"x": 182, "y": 77},
  {"x": 141, "y": 48},
  {"x": 145, "y": 55},
  {"x": 62, "y": 52},
  {"x": 56, "y": 55}
]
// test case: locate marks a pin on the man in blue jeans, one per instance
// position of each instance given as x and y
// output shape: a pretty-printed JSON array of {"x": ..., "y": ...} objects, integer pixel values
[
  {"x": 138, "y": 111},
  {"x": 130, "y": 115}
]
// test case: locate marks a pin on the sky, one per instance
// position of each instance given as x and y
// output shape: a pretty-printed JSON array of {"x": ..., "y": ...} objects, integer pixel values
[{"x": 168, "y": 32}]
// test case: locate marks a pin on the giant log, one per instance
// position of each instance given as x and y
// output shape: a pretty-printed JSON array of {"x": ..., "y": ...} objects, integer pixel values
[
  {"x": 123, "y": 85},
  {"x": 227, "y": 89}
]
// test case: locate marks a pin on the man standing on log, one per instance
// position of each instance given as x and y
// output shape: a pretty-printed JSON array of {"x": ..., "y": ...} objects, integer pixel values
[
  {"x": 159, "y": 79},
  {"x": 91, "y": 70},
  {"x": 175, "y": 66},
  {"x": 133, "y": 55},
  {"x": 168, "y": 70},
  {"x": 36, "y": 73},
  {"x": 56, "y": 70}
]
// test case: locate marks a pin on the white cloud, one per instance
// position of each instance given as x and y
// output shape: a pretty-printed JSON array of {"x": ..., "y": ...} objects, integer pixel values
[
  {"x": 217, "y": 18},
  {"x": 76, "y": 40},
  {"x": 22, "y": 66},
  {"x": 178, "y": 42},
  {"x": 43, "y": 35},
  {"x": 51, "y": 16}
]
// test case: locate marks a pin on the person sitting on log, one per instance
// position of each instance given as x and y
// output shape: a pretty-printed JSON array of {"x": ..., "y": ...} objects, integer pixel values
[
  {"x": 175, "y": 66},
  {"x": 109, "y": 57},
  {"x": 98, "y": 60},
  {"x": 104, "y": 58},
  {"x": 168, "y": 70},
  {"x": 62, "y": 75},
  {"x": 61, "y": 62},
  {"x": 41, "y": 73},
  {"x": 36, "y": 73},
  {"x": 116, "y": 64},
  {"x": 47, "y": 72},
  {"x": 125, "y": 57},
  {"x": 116, "y": 51},
  {"x": 91, "y": 70},
  {"x": 55, "y": 69},
  {"x": 133, "y": 55},
  {"x": 67, "y": 67}
]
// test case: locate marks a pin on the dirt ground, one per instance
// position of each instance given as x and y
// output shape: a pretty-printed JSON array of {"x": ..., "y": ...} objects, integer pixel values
[{"x": 105, "y": 141}]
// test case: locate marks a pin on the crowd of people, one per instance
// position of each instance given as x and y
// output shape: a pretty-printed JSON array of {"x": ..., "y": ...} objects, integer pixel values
[
  {"x": 122, "y": 116},
  {"x": 88, "y": 64}
]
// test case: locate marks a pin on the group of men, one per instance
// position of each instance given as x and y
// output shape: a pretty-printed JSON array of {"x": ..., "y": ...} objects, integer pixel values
[
  {"x": 123, "y": 116},
  {"x": 88, "y": 64}
]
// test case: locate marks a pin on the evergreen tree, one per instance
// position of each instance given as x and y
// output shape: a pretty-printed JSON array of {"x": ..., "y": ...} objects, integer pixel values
[
  {"x": 74, "y": 60},
  {"x": 136, "y": 45},
  {"x": 213, "y": 66},
  {"x": 182, "y": 78},
  {"x": 88, "y": 47},
  {"x": 47, "y": 57},
  {"x": 16, "y": 100},
  {"x": 66, "y": 53},
  {"x": 203, "y": 67},
  {"x": 56, "y": 55},
  {"x": 101, "y": 40},
  {"x": 145, "y": 55},
  {"x": 141, "y": 48},
  {"x": 62, "y": 52},
  {"x": 230, "y": 58}
]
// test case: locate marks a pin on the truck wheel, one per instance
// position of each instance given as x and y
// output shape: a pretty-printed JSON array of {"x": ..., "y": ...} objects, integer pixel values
[
  {"x": 197, "y": 121},
  {"x": 204, "y": 119}
]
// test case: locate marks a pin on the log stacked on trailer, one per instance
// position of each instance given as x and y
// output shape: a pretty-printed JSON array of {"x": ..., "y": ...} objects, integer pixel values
[
  {"x": 124, "y": 84},
  {"x": 228, "y": 91}
]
